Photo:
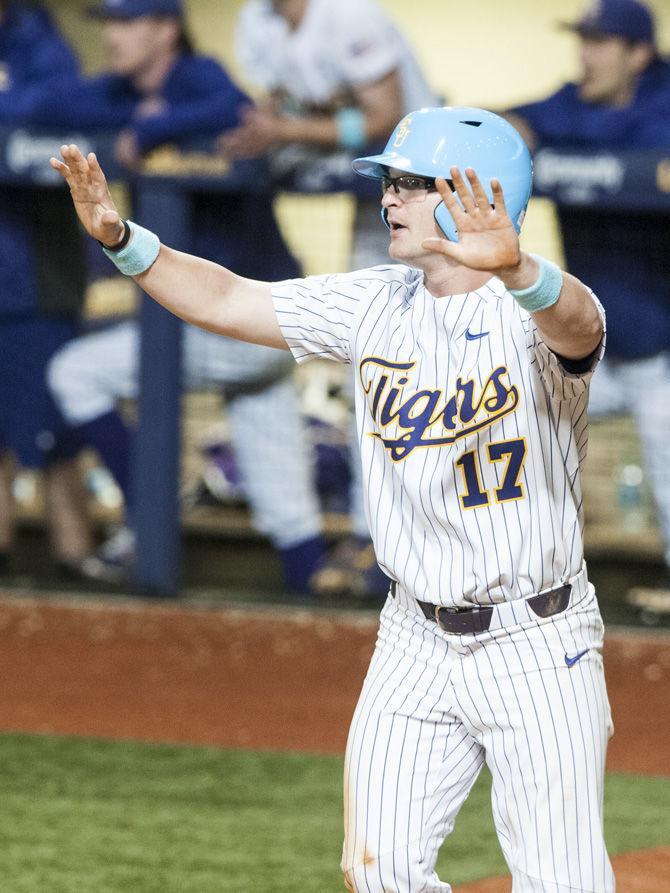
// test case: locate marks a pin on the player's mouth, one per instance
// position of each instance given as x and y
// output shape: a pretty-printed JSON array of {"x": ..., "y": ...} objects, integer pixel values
[{"x": 396, "y": 227}]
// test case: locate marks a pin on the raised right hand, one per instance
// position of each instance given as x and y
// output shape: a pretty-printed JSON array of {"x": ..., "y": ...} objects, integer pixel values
[{"x": 90, "y": 194}]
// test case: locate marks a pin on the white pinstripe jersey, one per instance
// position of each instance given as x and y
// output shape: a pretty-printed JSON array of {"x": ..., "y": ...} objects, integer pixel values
[
  {"x": 336, "y": 48},
  {"x": 472, "y": 433}
]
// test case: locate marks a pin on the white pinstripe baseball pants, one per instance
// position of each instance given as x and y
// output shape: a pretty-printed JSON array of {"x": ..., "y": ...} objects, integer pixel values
[
  {"x": 90, "y": 374},
  {"x": 641, "y": 388},
  {"x": 435, "y": 707}
]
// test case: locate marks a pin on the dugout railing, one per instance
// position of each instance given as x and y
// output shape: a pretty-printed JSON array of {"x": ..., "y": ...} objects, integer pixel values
[{"x": 616, "y": 180}]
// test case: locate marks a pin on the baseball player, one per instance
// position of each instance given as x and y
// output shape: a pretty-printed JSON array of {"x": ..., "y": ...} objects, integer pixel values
[
  {"x": 337, "y": 77},
  {"x": 621, "y": 102},
  {"x": 41, "y": 294},
  {"x": 472, "y": 361},
  {"x": 159, "y": 90}
]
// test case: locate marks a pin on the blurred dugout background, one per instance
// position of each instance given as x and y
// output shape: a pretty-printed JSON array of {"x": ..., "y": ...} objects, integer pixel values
[{"x": 527, "y": 57}]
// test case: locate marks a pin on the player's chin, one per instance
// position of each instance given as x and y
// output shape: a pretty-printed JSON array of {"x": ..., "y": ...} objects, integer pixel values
[
  {"x": 411, "y": 254},
  {"x": 400, "y": 250}
]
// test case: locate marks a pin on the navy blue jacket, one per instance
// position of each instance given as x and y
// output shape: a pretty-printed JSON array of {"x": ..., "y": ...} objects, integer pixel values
[
  {"x": 200, "y": 100},
  {"x": 622, "y": 256},
  {"x": 199, "y": 96},
  {"x": 33, "y": 58}
]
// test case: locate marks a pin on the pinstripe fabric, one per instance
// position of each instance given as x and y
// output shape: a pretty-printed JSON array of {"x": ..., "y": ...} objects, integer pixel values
[
  {"x": 424, "y": 537},
  {"x": 275, "y": 462},
  {"x": 472, "y": 436},
  {"x": 92, "y": 373},
  {"x": 434, "y": 707},
  {"x": 618, "y": 388}
]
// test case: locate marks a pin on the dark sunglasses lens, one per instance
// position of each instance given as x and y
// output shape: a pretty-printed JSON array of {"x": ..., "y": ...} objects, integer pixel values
[
  {"x": 416, "y": 184},
  {"x": 410, "y": 184}
]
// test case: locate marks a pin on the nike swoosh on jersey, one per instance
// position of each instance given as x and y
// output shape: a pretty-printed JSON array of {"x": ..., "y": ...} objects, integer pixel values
[
  {"x": 474, "y": 336},
  {"x": 571, "y": 661}
]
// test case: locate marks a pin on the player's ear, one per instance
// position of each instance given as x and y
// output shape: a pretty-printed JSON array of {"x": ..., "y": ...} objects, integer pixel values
[{"x": 641, "y": 56}]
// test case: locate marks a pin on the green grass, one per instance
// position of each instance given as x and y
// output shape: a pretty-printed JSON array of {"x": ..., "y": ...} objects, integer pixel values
[{"x": 81, "y": 816}]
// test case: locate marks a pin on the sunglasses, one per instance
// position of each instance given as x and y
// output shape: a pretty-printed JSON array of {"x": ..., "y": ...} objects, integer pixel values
[
  {"x": 408, "y": 182},
  {"x": 417, "y": 187}
]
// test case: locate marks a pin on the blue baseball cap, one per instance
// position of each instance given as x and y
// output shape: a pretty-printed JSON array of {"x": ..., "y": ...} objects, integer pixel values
[
  {"x": 135, "y": 9},
  {"x": 629, "y": 19}
]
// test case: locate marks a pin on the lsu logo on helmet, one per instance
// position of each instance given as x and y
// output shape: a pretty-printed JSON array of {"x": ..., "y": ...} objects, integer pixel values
[{"x": 402, "y": 131}]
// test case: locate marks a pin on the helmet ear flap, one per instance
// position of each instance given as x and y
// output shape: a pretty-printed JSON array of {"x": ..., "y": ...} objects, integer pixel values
[
  {"x": 446, "y": 222},
  {"x": 442, "y": 217}
]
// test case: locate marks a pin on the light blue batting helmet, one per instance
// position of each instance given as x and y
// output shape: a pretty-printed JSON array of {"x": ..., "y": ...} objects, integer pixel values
[{"x": 430, "y": 141}]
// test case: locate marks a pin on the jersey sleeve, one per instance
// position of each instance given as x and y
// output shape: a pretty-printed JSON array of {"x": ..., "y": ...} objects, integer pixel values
[
  {"x": 42, "y": 64},
  {"x": 209, "y": 105},
  {"x": 318, "y": 315},
  {"x": 92, "y": 103},
  {"x": 552, "y": 118},
  {"x": 653, "y": 125},
  {"x": 255, "y": 32},
  {"x": 563, "y": 379},
  {"x": 368, "y": 44}
]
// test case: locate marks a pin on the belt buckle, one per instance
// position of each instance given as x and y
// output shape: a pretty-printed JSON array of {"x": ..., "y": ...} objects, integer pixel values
[
  {"x": 464, "y": 621},
  {"x": 438, "y": 609},
  {"x": 452, "y": 611}
]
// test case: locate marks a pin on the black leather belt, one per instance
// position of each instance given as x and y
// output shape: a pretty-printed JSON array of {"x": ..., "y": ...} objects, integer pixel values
[{"x": 465, "y": 621}]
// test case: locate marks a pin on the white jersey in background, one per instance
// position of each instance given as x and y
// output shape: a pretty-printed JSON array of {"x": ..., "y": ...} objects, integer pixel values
[
  {"x": 472, "y": 433},
  {"x": 339, "y": 45}
]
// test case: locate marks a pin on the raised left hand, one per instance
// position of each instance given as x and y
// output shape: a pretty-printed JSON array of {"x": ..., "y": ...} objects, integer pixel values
[
  {"x": 487, "y": 239},
  {"x": 90, "y": 194}
]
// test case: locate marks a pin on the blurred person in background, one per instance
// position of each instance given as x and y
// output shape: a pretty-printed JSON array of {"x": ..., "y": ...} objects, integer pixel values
[
  {"x": 621, "y": 101},
  {"x": 42, "y": 283},
  {"x": 159, "y": 90},
  {"x": 337, "y": 77}
]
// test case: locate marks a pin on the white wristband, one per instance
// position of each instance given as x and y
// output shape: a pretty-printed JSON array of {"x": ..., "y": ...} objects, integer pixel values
[
  {"x": 139, "y": 254},
  {"x": 544, "y": 291}
]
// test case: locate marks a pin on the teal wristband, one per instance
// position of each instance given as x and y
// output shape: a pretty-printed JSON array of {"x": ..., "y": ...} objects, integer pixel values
[
  {"x": 545, "y": 290},
  {"x": 351, "y": 132},
  {"x": 139, "y": 254}
]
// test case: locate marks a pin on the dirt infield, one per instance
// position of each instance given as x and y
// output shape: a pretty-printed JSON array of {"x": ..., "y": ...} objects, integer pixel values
[
  {"x": 264, "y": 678},
  {"x": 641, "y": 872}
]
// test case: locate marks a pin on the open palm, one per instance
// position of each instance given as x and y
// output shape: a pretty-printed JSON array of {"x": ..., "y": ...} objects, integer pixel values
[
  {"x": 487, "y": 239},
  {"x": 90, "y": 194}
]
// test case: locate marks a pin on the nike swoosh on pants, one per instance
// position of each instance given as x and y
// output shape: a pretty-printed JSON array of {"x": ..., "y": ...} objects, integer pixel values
[{"x": 571, "y": 661}]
